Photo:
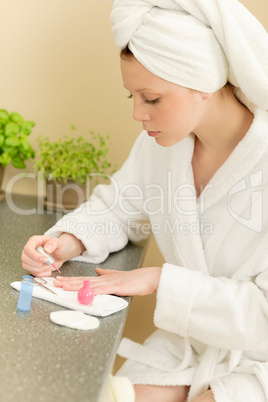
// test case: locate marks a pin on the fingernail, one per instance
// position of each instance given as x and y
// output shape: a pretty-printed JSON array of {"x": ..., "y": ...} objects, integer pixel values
[
  {"x": 48, "y": 248},
  {"x": 43, "y": 259}
]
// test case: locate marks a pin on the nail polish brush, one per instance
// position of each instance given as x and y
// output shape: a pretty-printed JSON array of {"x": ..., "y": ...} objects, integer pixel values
[{"x": 50, "y": 259}]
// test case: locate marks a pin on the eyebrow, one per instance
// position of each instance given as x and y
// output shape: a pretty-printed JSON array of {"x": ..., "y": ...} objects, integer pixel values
[{"x": 143, "y": 89}]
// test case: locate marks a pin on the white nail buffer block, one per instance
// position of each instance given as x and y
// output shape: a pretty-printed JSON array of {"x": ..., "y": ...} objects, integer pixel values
[{"x": 75, "y": 319}]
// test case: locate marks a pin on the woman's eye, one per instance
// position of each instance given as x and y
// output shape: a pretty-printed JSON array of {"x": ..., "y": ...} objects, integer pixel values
[{"x": 151, "y": 102}]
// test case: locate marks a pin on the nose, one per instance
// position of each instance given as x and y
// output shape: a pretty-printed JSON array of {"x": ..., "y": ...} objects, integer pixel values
[{"x": 139, "y": 112}]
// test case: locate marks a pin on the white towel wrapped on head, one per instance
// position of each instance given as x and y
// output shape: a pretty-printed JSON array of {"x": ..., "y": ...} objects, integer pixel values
[{"x": 199, "y": 44}]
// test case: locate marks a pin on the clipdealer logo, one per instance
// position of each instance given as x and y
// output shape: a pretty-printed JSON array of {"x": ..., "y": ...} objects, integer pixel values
[{"x": 255, "y": 189}]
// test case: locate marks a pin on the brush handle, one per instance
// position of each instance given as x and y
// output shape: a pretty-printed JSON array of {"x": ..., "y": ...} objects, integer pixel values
[{"x": 50, "y": 259}]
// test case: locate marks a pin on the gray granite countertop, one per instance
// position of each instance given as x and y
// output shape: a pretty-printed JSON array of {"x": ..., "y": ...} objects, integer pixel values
[{"x": 39, "y": 360}]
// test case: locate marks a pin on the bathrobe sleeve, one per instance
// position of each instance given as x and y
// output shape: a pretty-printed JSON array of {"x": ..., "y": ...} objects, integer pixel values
[
  {"x": 220, "y": 312},
  {"x": 112, "y": 215}
]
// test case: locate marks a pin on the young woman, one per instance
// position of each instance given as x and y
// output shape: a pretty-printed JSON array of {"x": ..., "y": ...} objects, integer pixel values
[{"x": 198, "y": 173}]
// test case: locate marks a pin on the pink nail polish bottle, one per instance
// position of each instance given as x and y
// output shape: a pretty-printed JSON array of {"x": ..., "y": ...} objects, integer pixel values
[{"x": 85, "y": 294}]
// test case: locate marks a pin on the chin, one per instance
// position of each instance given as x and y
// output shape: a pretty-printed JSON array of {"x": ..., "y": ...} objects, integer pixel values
[{"x": 164, "y": 142}]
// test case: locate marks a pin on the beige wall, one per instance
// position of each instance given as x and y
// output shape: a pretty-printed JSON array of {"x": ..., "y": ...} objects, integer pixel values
[{"x": 59, "y": 65}]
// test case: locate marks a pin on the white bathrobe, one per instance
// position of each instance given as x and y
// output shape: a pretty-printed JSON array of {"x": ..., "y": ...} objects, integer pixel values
[{"x": 212, "y": 310}]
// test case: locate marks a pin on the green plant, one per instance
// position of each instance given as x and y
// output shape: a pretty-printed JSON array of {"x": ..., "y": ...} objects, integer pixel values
[
  {"x": 71, "y": 158},
  {"x": 14, "y": 144}
]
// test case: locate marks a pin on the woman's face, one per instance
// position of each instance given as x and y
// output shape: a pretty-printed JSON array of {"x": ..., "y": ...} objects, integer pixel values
[{"x": 167, "y": 111}]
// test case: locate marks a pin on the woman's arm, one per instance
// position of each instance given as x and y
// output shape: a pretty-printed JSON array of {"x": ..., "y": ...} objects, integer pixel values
[
  {"x": 220, "y": 312},
  {"x": 113, "y": 214}
]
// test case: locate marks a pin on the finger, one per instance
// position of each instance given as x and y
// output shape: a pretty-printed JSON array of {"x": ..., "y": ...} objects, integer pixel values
[
  {"x": 68, "y": 285},
  {"x": 35, "y": 270},
  {"x": 31, "y": 246},
  {"x": 59, "y": 283},
  {"x": 69, "y": 282},
  {"x": 102, "y": 271},
  {"x": 35, "y": 267},
  {"x": 72, "y": 286},
  {"x": 27, "y": 261},
  {"x": 76, "y": 283},
  {"x": 107, "y": 287},
  {"x": 51, "y": 245},
  {"x": 72, "y": 278},
  {"x": 109, "y": 290},
  {"x": 42, "y": 274}
]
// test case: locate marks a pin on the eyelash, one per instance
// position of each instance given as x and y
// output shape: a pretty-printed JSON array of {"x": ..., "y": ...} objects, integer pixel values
[
  {"x": 152, "y": 102},
  {"x": 149, "y": 102}
]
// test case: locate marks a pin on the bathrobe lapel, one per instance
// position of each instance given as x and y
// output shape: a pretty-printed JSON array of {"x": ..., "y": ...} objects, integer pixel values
[
  {"x": 187, "y": 244},
  {"x": 186, "y": 240},
  {"x": 237, "y": 174}
]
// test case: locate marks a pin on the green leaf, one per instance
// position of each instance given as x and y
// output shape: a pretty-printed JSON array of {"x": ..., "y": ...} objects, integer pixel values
[
  {"x": 12, "y": 141},
  {"x": 2, "y": 138},
  {"x": 27, "y": 126},
  {"x": 9, "y": 150},
  {"x": 5, "y": 159},
  {"x": 14, "y": 145},
  {"x": 11, "y": 129},
  {"x": 4, "y": 117},
  {"x": 17, "y": 162},
  {"x": 16, "y": 117},
  {"x": 26, "y": 150}
]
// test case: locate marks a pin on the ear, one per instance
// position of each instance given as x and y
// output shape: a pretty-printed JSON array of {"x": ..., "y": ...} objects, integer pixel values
[{"x": 206, "y": 96}]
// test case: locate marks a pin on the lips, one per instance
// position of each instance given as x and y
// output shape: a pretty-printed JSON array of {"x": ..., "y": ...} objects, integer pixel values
[{"x": 153, "y": 133}]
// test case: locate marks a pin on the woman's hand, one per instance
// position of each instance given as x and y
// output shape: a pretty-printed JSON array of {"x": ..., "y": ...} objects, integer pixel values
[
  {"x": 61, "y": 249},
  {"x": 139, "y": 282}
]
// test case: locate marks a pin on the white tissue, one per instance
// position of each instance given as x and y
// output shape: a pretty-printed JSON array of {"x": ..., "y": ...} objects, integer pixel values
[{"x": 102, "y": 305}]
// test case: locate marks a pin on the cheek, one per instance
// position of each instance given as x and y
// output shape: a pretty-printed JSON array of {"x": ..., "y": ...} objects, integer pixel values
[
  {"x": 178, "y": 114},
  {"x": 186, "y": 111}
]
